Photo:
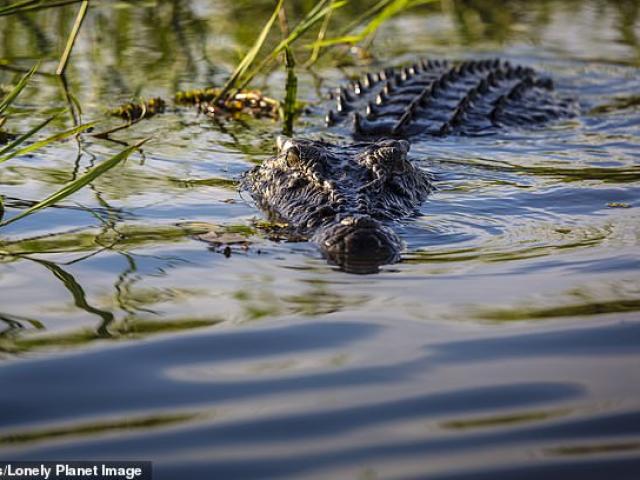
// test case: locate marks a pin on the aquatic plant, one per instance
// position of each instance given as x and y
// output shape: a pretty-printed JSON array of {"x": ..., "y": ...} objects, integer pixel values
[{"x": 134, "y": 111}]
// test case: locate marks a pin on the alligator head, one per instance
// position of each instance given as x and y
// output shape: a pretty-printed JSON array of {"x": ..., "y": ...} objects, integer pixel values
[{"x": 343, "y": 198}]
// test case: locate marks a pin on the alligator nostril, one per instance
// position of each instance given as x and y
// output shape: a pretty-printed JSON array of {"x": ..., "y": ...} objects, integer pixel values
[{"x": 359, "y": 221}]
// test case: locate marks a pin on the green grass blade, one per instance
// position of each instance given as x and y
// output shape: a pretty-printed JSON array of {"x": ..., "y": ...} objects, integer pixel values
[
  {"x": 15, "y": 91},
  {"x": 315, "y": 14},
  {"x": 72, "y": 37},
  {"x": 18, "y": 6},
  {"x": 251, "y": 54},
  {"x": 289, "y": 107},
  {"x": 22, "y": 138},
  {"x": 76, "y": 185},
  {"x": 315, "y": 54},
  {"x": 42, "y": 143},
  {"x": 383, "y": 11},
  {"x": 370, "y": 12},
  {"x": 33, "y": 5}
]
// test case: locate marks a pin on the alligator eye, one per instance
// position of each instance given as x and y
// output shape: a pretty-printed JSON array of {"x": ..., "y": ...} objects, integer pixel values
[
  {"x": 293, "y": 156},
  {"x": 290, "y": 149}
]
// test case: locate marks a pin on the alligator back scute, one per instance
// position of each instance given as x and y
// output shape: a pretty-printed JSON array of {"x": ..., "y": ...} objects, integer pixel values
[{"x": 440, "y": 98}]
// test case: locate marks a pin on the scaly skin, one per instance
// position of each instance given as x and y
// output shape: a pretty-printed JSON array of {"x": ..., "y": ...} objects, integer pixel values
[
  {"x": 343, "y": 198},
  {"x": 339, "y": 197}
]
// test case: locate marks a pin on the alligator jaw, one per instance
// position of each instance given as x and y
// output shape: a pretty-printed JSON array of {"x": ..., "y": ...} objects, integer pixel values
[{"x": 358, "y": 244}]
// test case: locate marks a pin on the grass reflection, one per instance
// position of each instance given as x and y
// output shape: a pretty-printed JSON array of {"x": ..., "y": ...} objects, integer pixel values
[
  {"x": 503, "y": 420},
  {"x": 130, "y": 328},
  {"x": 317, "y": 299},
  {"x": 134, "y": 302},
  {"x": 123, "y": 237},
  {"x": 572, "y": 310},
  {"x": 95, "y": 429},
  {"x": 595, "y": 449}
]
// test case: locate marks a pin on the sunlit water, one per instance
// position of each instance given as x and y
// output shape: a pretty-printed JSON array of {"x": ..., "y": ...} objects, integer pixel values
[{"x": 504, "y": 345}]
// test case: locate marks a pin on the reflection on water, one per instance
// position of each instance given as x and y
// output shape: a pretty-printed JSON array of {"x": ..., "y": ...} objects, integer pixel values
[{"x": 155, "y": 314}]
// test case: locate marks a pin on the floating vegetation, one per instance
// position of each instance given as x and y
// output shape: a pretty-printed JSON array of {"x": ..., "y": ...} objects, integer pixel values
[
  {"x": 278, "y": 232},
  {"x": 135, "y": 111},
  {"x": 208, "y": 182},
  {"x": 249, "y": 102},
  {"x": 196, "y": 96},
  {"x": 225, "y": 239}
]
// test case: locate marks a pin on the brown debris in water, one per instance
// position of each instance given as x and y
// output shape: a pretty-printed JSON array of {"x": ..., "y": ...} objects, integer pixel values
[
  {"x": 251, "y": 102},
  {"x": 139, "y": 110}
]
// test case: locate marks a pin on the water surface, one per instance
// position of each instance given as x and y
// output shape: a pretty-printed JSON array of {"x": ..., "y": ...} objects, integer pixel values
[{"x": 506, "y": 344}]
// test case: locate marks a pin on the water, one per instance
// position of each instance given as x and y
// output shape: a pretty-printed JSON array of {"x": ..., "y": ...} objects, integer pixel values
[{"x": 505, "y": 345}]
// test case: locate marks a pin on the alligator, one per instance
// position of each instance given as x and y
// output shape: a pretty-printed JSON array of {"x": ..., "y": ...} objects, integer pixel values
[{"x": 346, "y": 198}]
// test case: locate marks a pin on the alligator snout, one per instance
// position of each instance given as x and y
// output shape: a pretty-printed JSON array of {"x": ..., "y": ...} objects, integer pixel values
[{"x": 359, "y": 243}]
